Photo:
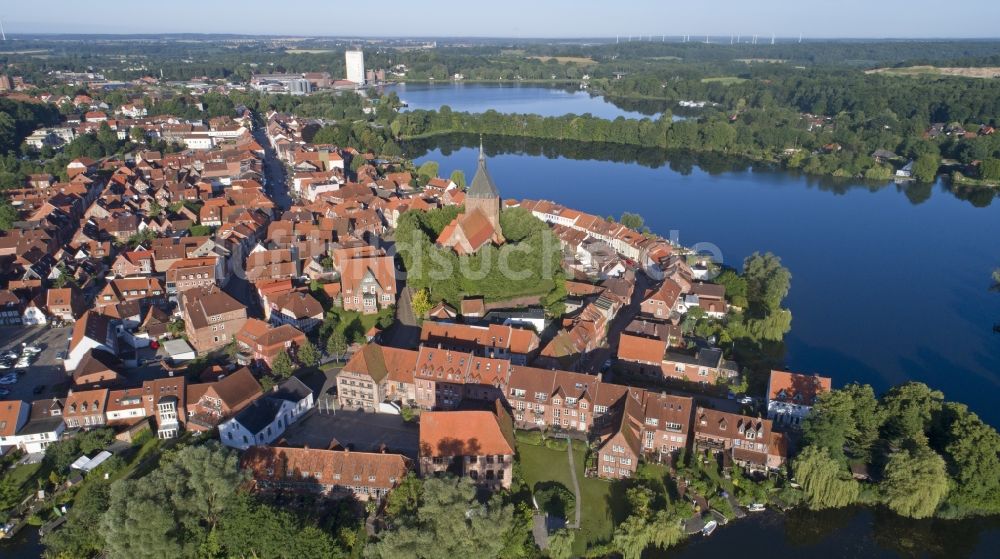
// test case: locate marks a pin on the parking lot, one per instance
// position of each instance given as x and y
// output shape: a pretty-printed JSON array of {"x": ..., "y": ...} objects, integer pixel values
[
  {"x": 46, "y": 371},
  {"x": 360, "y": 431}
]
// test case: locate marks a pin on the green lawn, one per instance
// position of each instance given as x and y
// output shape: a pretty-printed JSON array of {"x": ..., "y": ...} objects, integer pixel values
[
  {"x": 352, "y": 323},
  {"x": 600, "y": 503},
  {"x": 724, "y": 80}
]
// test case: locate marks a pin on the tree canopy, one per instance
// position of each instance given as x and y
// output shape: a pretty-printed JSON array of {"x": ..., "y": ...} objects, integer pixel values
[{"x": 448, "y": 522}]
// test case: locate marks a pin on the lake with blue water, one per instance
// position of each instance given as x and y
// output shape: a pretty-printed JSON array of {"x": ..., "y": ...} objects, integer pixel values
[{"x": 515, "y": 98}]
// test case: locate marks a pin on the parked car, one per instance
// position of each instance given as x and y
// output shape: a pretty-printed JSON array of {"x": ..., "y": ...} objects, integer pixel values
[
  {"x": 8, "y": 379},
  {"x": 4, "y": 392},
  {"x": 9, "y": 354},
  {"x": 31, "y": 350},
  {"x": 60, "y": 356},
  {"x": 6, "y": 364}
]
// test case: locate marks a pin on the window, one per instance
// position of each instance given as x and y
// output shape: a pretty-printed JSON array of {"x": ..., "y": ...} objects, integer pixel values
[{"x": 652, "y": 421}]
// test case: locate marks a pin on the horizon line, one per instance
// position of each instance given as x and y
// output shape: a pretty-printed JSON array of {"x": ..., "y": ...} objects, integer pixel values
[{"x": 656, "y": 38}]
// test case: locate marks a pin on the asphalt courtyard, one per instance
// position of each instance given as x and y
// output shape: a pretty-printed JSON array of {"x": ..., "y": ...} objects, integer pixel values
[
  {"x": 357, "y": 430},
  {"x": 47, "y": 371}
]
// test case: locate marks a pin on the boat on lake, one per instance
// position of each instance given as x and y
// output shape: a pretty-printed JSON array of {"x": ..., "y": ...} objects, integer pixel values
[
  {"x": 756, "y": 507},
  {"x": 709, "y": 528}
]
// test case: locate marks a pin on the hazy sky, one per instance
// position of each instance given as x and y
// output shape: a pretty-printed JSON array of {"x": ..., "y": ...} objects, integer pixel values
[{"x": 510, "y": 18}]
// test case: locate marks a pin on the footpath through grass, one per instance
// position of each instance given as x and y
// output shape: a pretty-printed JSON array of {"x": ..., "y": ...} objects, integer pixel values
[{"x": 600, "y": 500}]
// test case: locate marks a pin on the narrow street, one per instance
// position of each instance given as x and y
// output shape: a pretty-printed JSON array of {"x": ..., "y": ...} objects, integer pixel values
[
  {"x": 405, "y": 332},
  {"x": 626, "y": 315},
  {"x": 276, "y": 186},
  {"x": 275, "y": 176}
]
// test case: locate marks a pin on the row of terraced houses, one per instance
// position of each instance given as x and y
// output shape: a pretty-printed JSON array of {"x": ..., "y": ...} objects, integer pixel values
[{"x": 629, "y": 424}]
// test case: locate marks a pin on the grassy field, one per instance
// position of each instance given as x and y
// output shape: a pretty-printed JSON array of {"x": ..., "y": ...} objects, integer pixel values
[
  {"x": 581, "y": 60},
  {"x": 986, "y": 72},
  {"x": 724, "y": 80},
  {"x": 601, "y": 504}
]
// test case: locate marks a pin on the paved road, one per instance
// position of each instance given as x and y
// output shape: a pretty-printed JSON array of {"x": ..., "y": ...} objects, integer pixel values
[
  {"x": 276, "y": 185},
  {"x": 274, "y": 172},
  {"x": 405, "y": 332}
]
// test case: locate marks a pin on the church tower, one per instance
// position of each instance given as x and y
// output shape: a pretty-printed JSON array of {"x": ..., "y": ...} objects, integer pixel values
[
  {"x": 482, "y": 194},
  {"x": 479, "y": 224}
]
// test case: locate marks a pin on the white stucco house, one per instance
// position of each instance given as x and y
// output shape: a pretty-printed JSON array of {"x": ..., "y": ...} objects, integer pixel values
[
  {"x": 30, "y": 426},
  {"x": 791, "y": 396},
  {"x": 267, "y": 417},
  {"x": 91, "y": 331}
]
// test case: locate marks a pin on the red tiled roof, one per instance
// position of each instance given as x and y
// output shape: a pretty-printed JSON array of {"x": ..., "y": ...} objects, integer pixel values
[
  {"x": 797, "y": 388},
  {"x": 462, "y": 433}
]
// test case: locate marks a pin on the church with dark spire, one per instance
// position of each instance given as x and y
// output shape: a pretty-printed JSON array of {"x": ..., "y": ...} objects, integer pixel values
[{"x": 479, "y": 224}]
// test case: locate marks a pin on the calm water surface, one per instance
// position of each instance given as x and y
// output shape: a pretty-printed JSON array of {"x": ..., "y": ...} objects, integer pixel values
[
  {"x": 843, "y": 533},
  {"x": 532, "y": 99}
]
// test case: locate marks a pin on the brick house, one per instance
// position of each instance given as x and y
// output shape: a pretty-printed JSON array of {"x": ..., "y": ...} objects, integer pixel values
[
  {"x": 332, "y": 473},
  {"x": 163, "y": 400},
  {"x": 296, "y": 308},
  {"x": 189, "y": 273},
  {"x": 211, "y": 317},
  {"x": 86, "y": 408},
  {"x": 743, "y": 440},
  {"x": 211, "y": 403},
  {"x": 258, "y": 343},
  {"x": 64, "y": 303},
  {"x": 376, "y": 374},
  {"x": 148, "y": 291},
  {"x": 133, "y": 263},
  {"x": 368, "y": 284},
  {"x": 474, "y": 444},
  {"x": 705, "y": 366},
  {"x": 494, "y": 340},
  {"x": 660, "y": 301}
]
